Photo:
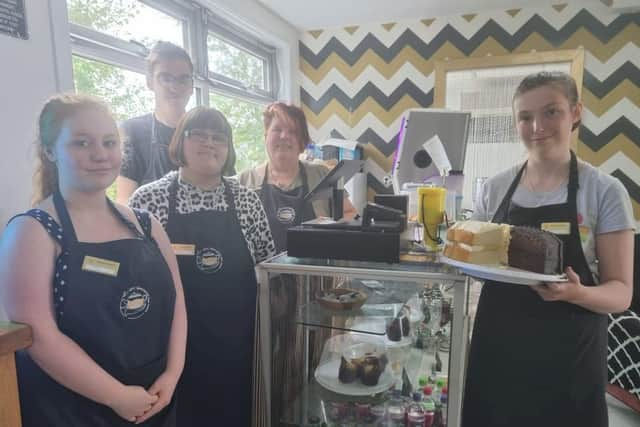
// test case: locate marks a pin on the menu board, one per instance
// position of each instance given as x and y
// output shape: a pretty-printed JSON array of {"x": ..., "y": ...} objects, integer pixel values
[{"x": 13, "y": 20}]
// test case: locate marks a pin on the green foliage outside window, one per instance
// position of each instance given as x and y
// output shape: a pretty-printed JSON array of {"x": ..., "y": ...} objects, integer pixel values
[{"x": 126, "y": 92}]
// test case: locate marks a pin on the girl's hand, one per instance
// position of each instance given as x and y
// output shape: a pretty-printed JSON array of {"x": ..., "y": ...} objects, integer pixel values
[
  {"x": 162, "y": 389},
  {"x": 132, "y": 402},
  {"x": 568, "y": 291}
]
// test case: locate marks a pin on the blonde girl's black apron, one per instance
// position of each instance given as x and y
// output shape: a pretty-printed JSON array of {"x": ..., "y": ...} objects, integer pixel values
[
  {"x": 285, "y": 209},
  {"x": 537, "y": 363},
  {"x": 120, "y": 316},
  {"x": 220, "y": 293}
]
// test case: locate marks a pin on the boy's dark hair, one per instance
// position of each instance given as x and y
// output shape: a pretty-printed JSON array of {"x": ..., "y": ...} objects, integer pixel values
[{"x": 166, "y": 51}]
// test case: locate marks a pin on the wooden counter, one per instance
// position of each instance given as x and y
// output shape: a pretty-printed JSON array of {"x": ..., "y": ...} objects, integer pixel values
[{"x": 13, "y": 337}]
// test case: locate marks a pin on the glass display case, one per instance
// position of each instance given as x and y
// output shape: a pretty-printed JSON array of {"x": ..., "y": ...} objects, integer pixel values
[{"x": 348, "y": 343}]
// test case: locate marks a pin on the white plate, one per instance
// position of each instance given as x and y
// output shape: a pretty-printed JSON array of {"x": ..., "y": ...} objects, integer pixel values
[
  {"x": 327, "y": 377},
  {"x": 503, "y": 273}
]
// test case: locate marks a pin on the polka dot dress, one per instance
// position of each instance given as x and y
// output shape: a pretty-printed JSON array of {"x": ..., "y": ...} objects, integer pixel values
[{"x": 60, "y": 281}]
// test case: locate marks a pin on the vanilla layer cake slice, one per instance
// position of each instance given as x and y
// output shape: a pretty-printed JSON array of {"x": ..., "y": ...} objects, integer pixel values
[
  {"x": 479, "y": 233},
  {"x": 475, "y": 254}
]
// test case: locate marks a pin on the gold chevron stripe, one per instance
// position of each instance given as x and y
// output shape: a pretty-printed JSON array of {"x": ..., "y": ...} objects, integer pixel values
[
  {"x": 469, "y": 17},
  {"x": 352, "y": 29},
  {"x": 618, "y": 144},
  {"x": 489, "y": 47},
  {"x": 559, "y": 7},
  {"x": 427, "y": 22},
  {"x": 353, "y": 118},
  {"x": 599, "y": 106},
  {"x": 370, "y": 58},
  {"x": 534, "y": 42},
  {"x": 371, "y": 152},
  {"x": 389, "y": 26},
  {"x": 513, "y": 12},
  {"x": 602, "y": 51},
  {"x": 316, "y": 33}
]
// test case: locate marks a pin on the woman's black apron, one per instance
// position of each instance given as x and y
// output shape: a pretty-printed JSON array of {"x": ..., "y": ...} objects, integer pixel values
[
  {"x": 115, "y": 300},
  {"x": 285, "y": 209},
  {"x": 220, "y": 290},
  {"x": 537, "y": 363}
]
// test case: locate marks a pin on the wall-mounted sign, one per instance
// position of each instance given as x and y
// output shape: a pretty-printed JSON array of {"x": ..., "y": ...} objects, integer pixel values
[{"x": 13, "y": 19}]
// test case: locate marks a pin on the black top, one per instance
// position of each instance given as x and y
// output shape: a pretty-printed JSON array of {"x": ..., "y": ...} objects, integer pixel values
[{"x": 146, "y": 143}]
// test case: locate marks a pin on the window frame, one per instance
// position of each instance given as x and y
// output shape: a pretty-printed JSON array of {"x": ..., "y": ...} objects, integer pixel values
[{"x": 198, "y": 22}]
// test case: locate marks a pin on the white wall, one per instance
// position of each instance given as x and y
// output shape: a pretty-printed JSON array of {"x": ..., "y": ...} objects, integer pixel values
[
  {"x": 257, "y": 19},
  {"x": 32, "y": 70}
]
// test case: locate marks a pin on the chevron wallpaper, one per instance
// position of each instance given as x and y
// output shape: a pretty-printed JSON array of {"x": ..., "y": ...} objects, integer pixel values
[{"x": 357, "y": 81}]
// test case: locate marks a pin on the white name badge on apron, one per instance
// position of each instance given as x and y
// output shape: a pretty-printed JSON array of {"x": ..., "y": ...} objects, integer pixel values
[
  {"x": 559, "y": 228},
  {"x": 100, "y": 266},
  {"x": 183, "y": 249}
]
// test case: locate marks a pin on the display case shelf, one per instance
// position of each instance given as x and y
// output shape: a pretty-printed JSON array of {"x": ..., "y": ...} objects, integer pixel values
[{"x": 389, "y": 287}]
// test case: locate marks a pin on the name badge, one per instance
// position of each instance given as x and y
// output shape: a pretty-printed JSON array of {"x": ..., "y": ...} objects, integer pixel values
[
  {"x": 560, "y": 228},
  {"x": 100, "y": 266},
  {"x": 182, "y": 249}
]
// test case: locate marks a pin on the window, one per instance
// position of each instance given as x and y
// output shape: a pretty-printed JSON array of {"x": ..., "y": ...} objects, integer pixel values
[
  {"x": 235, "y": 72},
  {"x": 124, "y": 91},
  {"x": 248, "y": 132},
  {"x": 127, "y": 20}
]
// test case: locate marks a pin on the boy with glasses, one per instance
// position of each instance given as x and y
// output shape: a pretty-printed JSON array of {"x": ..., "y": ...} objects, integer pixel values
[{"x": 146, "y": 138}]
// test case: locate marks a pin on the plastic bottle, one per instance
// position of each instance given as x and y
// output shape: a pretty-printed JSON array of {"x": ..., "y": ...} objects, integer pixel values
[
  {"x": 444, "y": 400},
  {"x": 429, "y": 406},
  {"x": 437, "y": 416},
  {"x": 415, "y": 412},
  {"x": 379, "y": 415},
  {"x": 437, "y": 391},
  {"x": 396, "y": 410}
]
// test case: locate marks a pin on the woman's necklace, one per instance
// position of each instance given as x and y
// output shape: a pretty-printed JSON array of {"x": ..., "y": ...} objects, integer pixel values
[
  {"x": 528, "y": 182},
  {"x": 281, "y": 181}
]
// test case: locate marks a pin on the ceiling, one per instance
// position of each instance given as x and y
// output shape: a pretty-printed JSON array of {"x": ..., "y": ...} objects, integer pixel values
[{"x": 320, "y": 14}]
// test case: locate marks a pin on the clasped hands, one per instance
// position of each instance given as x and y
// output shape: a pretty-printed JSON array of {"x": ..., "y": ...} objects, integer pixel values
[{"x": 135, "y": 404}]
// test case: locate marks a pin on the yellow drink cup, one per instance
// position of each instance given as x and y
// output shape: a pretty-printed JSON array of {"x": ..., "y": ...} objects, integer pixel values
[{"x": 431, "y": 207}]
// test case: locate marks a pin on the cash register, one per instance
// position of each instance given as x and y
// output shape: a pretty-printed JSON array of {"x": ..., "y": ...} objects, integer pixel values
[{"x": 374, "y": 236}]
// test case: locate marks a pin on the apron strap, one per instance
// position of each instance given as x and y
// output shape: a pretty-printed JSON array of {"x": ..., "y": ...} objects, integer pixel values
[
  {"x": 69, "y": 235},
  {"x": 130, "y": 225},
  {"x": 503, "y": 210},
  {"x": 147, "y": 176}
]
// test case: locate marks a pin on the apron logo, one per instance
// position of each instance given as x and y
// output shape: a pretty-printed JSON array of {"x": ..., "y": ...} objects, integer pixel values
[
  {"x": 209, "y": 260},
  {"x": 134, "y": 303},
  {"x": 286, "y": 215}
]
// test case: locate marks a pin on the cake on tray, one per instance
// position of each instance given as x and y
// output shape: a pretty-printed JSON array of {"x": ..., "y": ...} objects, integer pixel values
[{"x": 487, "y": 243}]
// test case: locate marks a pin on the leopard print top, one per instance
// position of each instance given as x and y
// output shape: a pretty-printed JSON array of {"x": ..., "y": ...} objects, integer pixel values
[{"x": 154, "y": 197}]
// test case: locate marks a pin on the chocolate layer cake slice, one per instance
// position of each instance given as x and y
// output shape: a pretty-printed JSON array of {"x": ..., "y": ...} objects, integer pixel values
[{"x": 535, "y": 250}]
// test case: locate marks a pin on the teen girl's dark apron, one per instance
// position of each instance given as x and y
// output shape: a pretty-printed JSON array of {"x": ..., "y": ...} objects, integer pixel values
[
  {"x": 537, "y": 363},
  {"x": 285, "y": 209},
  {"x": 220, "y": 289},
  {"x": 115, "y": 300}
]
